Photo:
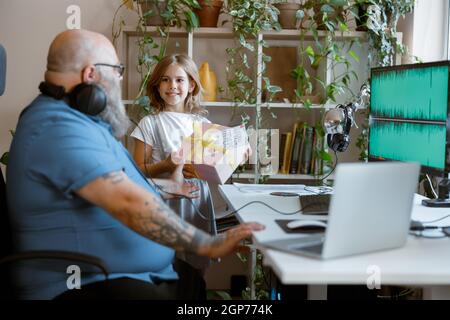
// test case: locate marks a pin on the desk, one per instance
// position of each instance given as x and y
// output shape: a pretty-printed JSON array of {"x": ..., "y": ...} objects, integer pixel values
[{"x": 421, "y": 262}]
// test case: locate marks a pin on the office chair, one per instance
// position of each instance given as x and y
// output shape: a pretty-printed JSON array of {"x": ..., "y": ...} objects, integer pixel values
[{"x": 7, "y": 255}]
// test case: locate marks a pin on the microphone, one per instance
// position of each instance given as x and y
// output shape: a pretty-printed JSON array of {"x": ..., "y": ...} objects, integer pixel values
[{"x": 2, "y": 69}]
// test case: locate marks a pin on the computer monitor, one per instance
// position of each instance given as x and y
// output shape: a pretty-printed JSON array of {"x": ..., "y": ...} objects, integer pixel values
[{"x": 409, "y": 115}]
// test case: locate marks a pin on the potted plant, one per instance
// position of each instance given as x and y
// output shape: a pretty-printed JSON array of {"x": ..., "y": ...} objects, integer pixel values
[
  {"x": 359, "y": 10},
  {"x": 208, "y": 14},
  {"x": 288, "y": 13},
  {"x": 328, "y": 14},
  {"x": 169, "y": 12},
  {"x": 382, "y": 19},
  {"x": 382, "y": 22},
  {"x": 249, "y": 19},
  {"x": 313, "y": 87}
]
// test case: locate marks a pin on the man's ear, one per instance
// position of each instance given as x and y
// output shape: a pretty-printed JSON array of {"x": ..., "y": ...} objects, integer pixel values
[{"x": 88, "y": 74}]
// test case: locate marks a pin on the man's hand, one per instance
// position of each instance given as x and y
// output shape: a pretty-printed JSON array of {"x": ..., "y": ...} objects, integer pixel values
[{"x": 226, "y": 243}]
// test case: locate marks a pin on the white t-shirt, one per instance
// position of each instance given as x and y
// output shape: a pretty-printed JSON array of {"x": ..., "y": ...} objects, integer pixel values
[{"x": 172, "y": 127}]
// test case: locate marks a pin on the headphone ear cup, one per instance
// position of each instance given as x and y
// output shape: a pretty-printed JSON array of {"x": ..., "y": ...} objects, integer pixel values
[
  {"x": 338, "y": 142},
  {"x": 88, "y": 98},
  {"x": 345, "y": 141}
]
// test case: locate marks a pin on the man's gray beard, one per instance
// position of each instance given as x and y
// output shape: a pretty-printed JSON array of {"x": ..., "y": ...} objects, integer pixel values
[{"x": 114, "y": 113}]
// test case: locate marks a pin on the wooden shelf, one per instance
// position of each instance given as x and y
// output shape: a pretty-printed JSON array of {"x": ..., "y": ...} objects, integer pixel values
[
  {"x": 227, "y": 33},
  {"x": 174, "y": 32},
  {"x": 265, "y": 105},
  {"x": 225, "y": 104},
  {"x": 287, "y": 34},
  {"x": 215, "y": 33}
]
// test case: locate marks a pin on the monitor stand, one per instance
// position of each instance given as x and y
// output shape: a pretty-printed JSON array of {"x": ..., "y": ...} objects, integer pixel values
[{"x": 443, "y": 200}]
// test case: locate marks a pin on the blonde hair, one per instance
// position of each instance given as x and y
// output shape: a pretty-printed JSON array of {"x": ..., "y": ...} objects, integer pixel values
[{"x": 192, "y": 101}]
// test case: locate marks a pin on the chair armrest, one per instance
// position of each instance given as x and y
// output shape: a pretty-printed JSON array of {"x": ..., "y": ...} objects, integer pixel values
[{"x": 57, "y": 255}]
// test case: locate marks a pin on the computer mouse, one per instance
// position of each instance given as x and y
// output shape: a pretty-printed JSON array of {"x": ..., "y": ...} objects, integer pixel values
[{"x": 306, "y": 224}]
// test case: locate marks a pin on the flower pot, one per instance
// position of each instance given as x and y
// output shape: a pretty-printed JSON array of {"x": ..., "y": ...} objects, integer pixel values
[
  {"x": 209, "y": 14},
  {"x": 287, "y": 16},
  {"x": 157, "y": 7}
]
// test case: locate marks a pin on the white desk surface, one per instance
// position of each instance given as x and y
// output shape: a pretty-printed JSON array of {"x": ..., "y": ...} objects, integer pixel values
[{"x": 420, "y": 262}]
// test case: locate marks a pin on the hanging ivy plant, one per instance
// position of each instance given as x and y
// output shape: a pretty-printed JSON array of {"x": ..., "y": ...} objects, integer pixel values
[{"x": 381, "y": 18}]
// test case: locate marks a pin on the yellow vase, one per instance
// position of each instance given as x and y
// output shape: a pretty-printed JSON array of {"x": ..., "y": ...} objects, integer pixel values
[{"x": 209, "y": 83}]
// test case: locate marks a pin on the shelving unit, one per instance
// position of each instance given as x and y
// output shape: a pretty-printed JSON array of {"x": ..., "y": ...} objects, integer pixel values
[
  {"x": 226, "y": 104},
  {"x": 190, "y": 42},
  {"x": 287, "y": 37}
]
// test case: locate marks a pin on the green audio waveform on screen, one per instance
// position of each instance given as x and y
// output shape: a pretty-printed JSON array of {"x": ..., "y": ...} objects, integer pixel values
[
  {"x": 424, "y": 143},
  {"x": 417, "y": 93}
]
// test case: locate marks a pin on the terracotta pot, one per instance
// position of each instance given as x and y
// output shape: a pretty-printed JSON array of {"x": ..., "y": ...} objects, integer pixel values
[
  {"x": 156, "y": 19},
  {"x": 209, "y": 14},
  {"x": 287, "y": 17}
]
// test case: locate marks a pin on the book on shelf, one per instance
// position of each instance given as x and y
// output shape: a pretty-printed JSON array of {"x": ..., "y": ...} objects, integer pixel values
[
  {"x": 285, "y": 153},
  {"x": 281, "y": 151},
  {"x": 318, "y": 162},
  {"x": 302, "y": 154},
  {"x": 313, "y": 153},
  {"x": 297, "y": 135},
  {"x": 307, "y": 151}
]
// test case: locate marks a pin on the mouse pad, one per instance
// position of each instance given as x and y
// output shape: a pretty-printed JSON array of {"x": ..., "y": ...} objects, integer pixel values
[{"x": 313, "y": 229}]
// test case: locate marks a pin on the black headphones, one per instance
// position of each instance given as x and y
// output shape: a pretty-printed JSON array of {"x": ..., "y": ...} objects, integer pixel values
[
  {"x": 88, "y": 98},
  {"x": 338, "y": 142}
]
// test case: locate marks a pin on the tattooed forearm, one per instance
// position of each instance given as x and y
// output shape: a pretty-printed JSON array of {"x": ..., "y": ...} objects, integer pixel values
[
  {"x": 158, "y": 222},
  {"x": 114, "y": 177}
]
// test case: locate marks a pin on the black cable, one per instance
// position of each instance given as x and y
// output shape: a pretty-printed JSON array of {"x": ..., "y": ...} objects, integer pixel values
[
  {"x": 265, "y": 204},
  {"x": 420, "y": 235},
  {"x": 334, "y": 167},
  {"x": 417, "y": 231},
  {"x": 432, "y": 221},
  {"x": 431, "y": 186}
]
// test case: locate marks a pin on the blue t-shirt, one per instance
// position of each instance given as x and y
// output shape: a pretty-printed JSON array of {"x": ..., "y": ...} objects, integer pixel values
[{"x": 57, "y": 150}]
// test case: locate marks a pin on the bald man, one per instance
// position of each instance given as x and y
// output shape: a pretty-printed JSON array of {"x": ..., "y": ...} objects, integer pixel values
[{"x": 72, "y": 186}]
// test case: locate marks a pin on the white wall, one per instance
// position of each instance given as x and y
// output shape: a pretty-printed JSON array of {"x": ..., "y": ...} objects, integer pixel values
[
  {"x": 26, "y": 30},
  {"x": 430, "y": 30}
]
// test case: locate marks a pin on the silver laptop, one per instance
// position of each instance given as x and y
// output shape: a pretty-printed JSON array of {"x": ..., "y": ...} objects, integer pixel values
[{"x": 370, "y": 210}]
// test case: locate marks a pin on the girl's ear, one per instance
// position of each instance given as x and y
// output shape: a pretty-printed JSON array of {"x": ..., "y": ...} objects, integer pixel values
[{"x": 192, "y": 85}]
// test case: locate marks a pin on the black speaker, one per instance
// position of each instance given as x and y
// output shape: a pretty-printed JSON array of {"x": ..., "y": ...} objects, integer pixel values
[{"x": 2, "y": 69}]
